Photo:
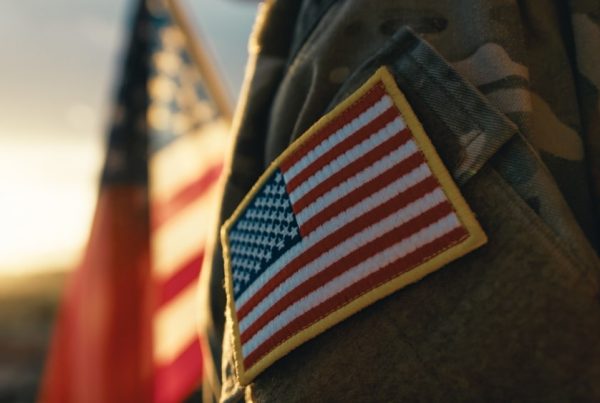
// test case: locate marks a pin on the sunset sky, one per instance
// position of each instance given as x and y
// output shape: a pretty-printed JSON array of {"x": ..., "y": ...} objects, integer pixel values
[{"x": 59, "y": 66}]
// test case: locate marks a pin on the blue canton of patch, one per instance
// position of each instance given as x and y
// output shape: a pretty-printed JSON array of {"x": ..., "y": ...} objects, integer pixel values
[{"x": 265, "y": 230}]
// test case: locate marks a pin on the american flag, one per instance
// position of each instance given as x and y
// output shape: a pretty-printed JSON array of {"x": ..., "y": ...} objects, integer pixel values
[
  {"x": 353, "y": 205},
  {"x": 187, "y": 144},
  {"x": 128, "y": 326}
]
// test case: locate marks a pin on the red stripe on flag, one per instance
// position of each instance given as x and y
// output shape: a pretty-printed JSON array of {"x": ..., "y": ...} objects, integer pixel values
[
  {"x": 344, "y": 118},
  {"x": 365, "y": 161},
  {"x": 353, "y": 140},
  {"x": 162, "y": 212},
  {"x": 386, "y": 178},
  {"x": 102, "y": 348},
  {"x": 359, "y": 288},
  {"x": 360, "y": 223},
  {"x": 186, "y": 275},
  {"x": 178, "y": 379},
  {"x": 347, "y": 262}
]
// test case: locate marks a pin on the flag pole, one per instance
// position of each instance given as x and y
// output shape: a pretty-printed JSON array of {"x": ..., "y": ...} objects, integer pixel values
[{"x": 204, "y": 60}]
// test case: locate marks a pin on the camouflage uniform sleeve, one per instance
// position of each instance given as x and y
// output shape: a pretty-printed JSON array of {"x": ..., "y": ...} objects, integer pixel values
[
  {"x": 268, "y": 52},
  {"x": 493, "y": 84},
  {"x": 585, "y": 22}
]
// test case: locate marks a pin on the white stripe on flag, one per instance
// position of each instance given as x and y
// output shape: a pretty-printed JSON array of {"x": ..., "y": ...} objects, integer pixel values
[
  {"x": 176, "y": 325},
  {"x": 350, "y": 277},
  {"x": 335, "y": 223},
  {"x": 178, "y": 240},
  {"x": 387, "y": 224},
  {"x": 177, "y": 165},
  {"x": 339, "y": 136}
]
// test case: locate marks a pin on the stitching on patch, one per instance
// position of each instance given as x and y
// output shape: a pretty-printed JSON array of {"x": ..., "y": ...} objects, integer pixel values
[
  {"x": 419, "y": 225},
  {"x": 377, "y": 285}
]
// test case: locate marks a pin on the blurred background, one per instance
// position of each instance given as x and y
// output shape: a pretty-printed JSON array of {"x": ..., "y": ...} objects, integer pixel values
[{"x": 60, "y": 65}]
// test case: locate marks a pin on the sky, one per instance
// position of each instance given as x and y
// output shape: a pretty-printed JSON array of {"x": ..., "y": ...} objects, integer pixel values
[{"x": 60, "y": 63}]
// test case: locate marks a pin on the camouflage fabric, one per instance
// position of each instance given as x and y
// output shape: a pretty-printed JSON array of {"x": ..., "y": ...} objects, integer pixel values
[
  {"x": 508, "y": 91},
  {"x": 585, "y": 22}
]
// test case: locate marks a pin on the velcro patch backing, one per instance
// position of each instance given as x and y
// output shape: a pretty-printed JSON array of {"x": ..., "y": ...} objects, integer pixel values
[{"x": 357, "y": 208}]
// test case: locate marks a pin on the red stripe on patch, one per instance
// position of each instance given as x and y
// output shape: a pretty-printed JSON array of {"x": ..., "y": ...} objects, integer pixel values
[
  {"x": 346, "y": 117},
  {"x": 381, "y": 181},
  {"x": 360, "y": 223},
  {"x": 347, "y": 262},
  {"x": 362, "y": 163},
  {"x": 353, "y": 140},
  {"x": 383, "y": 275}
]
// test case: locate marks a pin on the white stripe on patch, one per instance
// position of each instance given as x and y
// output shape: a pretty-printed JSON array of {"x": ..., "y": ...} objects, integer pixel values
[
  {"x": 350, "y": 277},
  {"x": 394, "y": 220},
  {"x": 350, "y": 184},
  {"x": 342, "y": 134},
  {"x": 401, "y": 184},
  {"x": 386, "y": 133}
]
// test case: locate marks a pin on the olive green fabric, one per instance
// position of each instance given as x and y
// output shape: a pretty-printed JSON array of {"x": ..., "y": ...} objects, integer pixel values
[{"x": 508, "y": 92}]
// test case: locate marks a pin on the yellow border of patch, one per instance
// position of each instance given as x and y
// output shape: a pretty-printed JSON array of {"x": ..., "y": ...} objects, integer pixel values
[{"x": 475, "y": 239}]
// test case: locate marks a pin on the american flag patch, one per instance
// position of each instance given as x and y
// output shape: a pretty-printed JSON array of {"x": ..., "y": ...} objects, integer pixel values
[{"x": 357, "y": 208}]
